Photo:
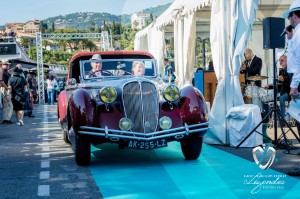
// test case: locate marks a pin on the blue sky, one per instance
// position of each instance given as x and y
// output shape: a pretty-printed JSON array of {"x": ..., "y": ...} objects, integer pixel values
[{"x": 25, "y": 10}]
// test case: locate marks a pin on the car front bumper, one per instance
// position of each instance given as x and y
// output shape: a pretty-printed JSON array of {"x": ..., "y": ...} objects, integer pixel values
[{"x": 115, "y": 135}]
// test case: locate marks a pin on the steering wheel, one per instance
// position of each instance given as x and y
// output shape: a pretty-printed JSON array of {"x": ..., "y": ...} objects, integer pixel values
[
  {"x": 127, "y": 73},
  {"x": 106, "y": 73},
  {"x": 103, "y": 73}
]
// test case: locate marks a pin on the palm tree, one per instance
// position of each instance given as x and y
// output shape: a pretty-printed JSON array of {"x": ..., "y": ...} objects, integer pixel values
[{"x": 89, "y": 44}]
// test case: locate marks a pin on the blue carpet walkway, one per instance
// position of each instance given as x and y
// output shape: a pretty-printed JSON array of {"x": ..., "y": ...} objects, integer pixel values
[{"x": 163, "y": 173}]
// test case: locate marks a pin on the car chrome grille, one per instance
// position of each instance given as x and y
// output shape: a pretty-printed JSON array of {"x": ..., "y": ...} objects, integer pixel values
[{"x": 141, "y": 105}]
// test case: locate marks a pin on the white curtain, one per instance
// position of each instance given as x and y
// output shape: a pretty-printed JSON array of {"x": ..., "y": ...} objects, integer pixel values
[
  {"x": 178, "y": 49},
  {"x": 240, "y": 23},
  {"x": 189, "y": 43},
  {"x": 156, "y": 44},
  {"x": 141, "y": 39},
  {"x": 141, "y": 42},
  {"x": 231, "y": 23},
  {"x": 152, "y": 39},
  {"x": 184, "y": 47}
]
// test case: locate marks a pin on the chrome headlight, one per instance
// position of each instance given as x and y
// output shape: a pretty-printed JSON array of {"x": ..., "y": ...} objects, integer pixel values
[
  {"x": 108, "y": 94},
  {"x": 165, "y": 122},
  {"x": 125, "y": 124},
  {"x": 171, "y": 93}
]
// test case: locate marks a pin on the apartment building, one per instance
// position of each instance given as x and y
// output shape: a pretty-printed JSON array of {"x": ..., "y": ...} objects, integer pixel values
[
  {"x": 139, "y": 20},
  {"x": 30, "y": 27}
]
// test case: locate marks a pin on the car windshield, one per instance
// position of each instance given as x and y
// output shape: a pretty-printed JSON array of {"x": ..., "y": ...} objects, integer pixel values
[{"x": 91, "y": 69}]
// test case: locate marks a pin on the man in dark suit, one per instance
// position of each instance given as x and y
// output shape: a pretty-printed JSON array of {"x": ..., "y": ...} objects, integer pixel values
[
  {"x": 96, "y": 66},
  {"x": 97, "y": 70},
  {"x": 251, "y": 67}
]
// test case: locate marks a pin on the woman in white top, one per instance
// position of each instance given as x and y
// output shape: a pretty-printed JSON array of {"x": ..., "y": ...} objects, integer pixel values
[{"x": 51, "y": 84}]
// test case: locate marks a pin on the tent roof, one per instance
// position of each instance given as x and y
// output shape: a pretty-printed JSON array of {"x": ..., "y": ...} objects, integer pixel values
[
  {"x": 167, "y": 17},
  {"x": 266, "y": 8},
  {"x": 183, "y": 6}
]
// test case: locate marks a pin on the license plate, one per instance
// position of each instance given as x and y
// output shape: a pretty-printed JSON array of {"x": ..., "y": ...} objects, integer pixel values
[{"x": 136, "y": 144}]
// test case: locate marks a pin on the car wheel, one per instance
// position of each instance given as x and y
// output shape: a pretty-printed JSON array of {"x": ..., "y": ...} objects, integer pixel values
[
  {"x": 82, "y": 151},
  {"x": 65, "y": 136},
  {"x": 191, "y": 147}
]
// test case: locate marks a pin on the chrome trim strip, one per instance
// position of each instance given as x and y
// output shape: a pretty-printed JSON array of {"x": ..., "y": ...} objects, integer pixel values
[
  {"x": 108, "y": 133},
  {"x": 141, "y": 96}
]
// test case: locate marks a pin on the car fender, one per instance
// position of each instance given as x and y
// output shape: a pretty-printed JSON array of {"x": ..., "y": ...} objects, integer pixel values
[
  {"x": 62, "y": 106},
  {"x": 81, "y": 109},
  {"x": 109, "y": 117},
  {"x": 193, "y": 106},
  {"x": 172, "y": 111}
]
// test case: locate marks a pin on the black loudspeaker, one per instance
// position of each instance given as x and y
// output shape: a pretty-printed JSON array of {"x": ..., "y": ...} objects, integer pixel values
[{"x": 272, "y": 29}]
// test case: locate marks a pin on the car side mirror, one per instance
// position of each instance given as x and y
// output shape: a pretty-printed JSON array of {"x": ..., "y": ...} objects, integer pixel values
[{"x": 72, "y": 81}]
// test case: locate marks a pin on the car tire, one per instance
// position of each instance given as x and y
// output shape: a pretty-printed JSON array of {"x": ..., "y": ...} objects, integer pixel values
[
  {"x": 191, "y": 147},
  {"x": 82, "y": 151}
]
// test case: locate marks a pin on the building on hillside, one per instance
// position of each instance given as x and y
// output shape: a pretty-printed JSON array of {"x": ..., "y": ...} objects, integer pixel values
[
  {"x": 139, "y": 20},
  {"x": 30, "y": 27},
  {"x": 14, "y": 27},
  {"x": 2, "y": 30}
]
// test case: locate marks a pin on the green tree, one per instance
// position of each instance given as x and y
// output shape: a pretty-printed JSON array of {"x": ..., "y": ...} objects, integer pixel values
[
  {"x": 24, "y": 42},
  {"x": 88, "y": 44},
  {"x": 104, "y": 27},
  {"x": 92, "y": 27},
  {"x": 52, "y": 27},
  {"x": 43, "y": 27},
  {"x": 113, "y": 28},
  {"x": 151, "y": 17},
  {"x": 32, "y": 53},
  {"x": 98, "y": 29},
  {"x": 45, "y": 43}
]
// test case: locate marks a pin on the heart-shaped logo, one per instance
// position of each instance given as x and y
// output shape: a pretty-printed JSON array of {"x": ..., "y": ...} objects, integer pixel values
[{"x": 267, "y": 152}]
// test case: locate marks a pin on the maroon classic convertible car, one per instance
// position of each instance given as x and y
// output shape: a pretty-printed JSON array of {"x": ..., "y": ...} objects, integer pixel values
[{"x": 133, "y": 111}]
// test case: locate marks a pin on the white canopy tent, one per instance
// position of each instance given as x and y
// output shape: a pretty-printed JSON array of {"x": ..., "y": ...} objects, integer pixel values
[
  {"x": 231, "y": 26},
  {"x": 182, "y": 14},
  {"x": 231, "y": 22}
]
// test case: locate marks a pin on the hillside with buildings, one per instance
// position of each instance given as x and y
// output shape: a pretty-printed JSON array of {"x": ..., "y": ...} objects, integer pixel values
[
  {"x": 83, "y": 20},
  {"x": 121, "y": 30}
]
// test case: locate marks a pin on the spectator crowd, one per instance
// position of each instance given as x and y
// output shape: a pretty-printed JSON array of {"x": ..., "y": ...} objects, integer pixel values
[{"x": 18, "y": 90}]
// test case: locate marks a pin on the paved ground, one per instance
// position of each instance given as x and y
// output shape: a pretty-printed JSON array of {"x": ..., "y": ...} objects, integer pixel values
[
  {"x": 284, "y": 161},
  {"x": 35, "y": 162}
]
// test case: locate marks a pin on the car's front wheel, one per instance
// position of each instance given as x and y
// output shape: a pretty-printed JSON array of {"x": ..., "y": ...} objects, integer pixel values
[
  {"x": 82, "y": 151},
  {"x": 191, "y": 147}
]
